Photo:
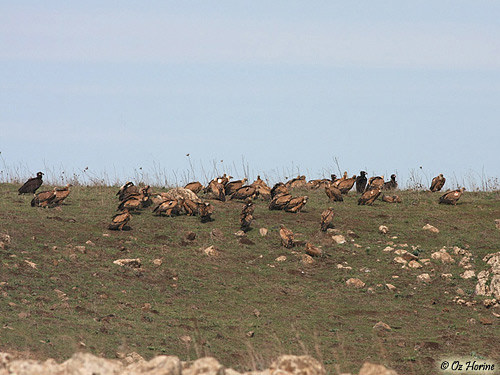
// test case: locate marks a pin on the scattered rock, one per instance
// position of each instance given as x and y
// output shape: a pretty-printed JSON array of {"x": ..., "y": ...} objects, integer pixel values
[
  {"x": 446, "y": 276},
  {"x": 158, "y": 262},
  {"x": 490, "y": 302},
  {"x": 383, "y": 229},
  {"x": 424, "y": 278},
  {"x": 352, "y": 234},
  {"x": 355, "y": 283},
  {"x": 469, "y": 274},
  {"x": 388, "y": 249},
  {"x": 31, "y": 264},
  {"x": 400, "y": 260},
  {"x": 486, "y": 321},
  {"x": 339, "y": 239},
  {"x": 373, "y": 369},
  {"x": 307, "y": 259},
  {"x": 443, "y": 256},
  {"x": 430, "y": 228},
  {"x": 190, "y": 236},
  {"x": 263, "y": 232},
  {"x": 240, "y": 234},
  {"x": 281, "y": 258},
  {"x": 497, "y": 223},
  {"x": 391, "y": 287},
  {"x": 296, "y": 365},
  {"x": 81, "y": 249},
  {"x": 382, "y": 326},
  {"x": 217, "y": 234},
  {"x": 414, "y": 264},
  {"x": 132, "y": 263},
  {"x": 211, "y": 251}
]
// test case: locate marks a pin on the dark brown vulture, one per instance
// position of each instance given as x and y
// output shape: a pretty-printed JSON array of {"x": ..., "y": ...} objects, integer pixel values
[
  {"x": 119, "y": 220},
  {"x": 127, "y": 190},
  {"x": 369, "y": 196},
  {"x": 44, "y": 198},
  {"x": 31, "y": 185},
  {"x": 243, "y": 193},
  {"x": 376, "y": 182},
  {"x": 279, "y": 189},
  {"x": 263, "y": 191},
  {"x": 259, "y": 182},
  {"x": 299, "y": 181},
  {"x": 438, "y": 183},
  {"x": 361, "y": 181},
  {"x": 61, "y": 194},
  {"x": 206, "y": 210},
  {"x": 327, "y": 219},
  {"x": 246, "y": 215},
  {"x": 345, "y": 185},
  {"x": 194, "y": 186},
  {"x": 169, "y": 207},
  {"x": 135, "y": 198},
  {"x": 333, "y": 193},
  {"x": 279, "y": 202},
  {"x": 287, "y": 237},
  {"x": 392, "y": 184},
  {"x": 318, "y": 184},
  {"x": 216, "y": 187},
  {"x": 339, "y": 180},
  {"x": 452, "y": 196},
  {"x": 391, "y": 198},
  {"x": 296, "y": 204},
  {"x": 190, "y": 207},
  {"x": 232, "y": 186}
]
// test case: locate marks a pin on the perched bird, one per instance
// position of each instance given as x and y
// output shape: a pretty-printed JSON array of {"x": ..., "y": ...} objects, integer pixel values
[
  {"x": 119, "y": 220},
  {"x": 438, "y": 183},
  {"x": 391, "y": 198},
  {"x": 317, "y": 184},
  {"x": 345, "y": 185},
  {"x": 259, "y": 182},
  {"x": 61, "y": 194},
  {"x": 263, "y": 191},
  {"x": 246, "y": 215},
  {"x": 279, "y": 189},
  {"x": 361, "y": 181},
  {"x": 369, "y": 196},
  {"x": 452, "y": 196},
  {"x": 205, "y": 210},
  {"x": 279, "y": 201},
  {"x": 339, "y": 180},
  {"x": 244, "y": 193},
  {"x": 168, "y": 207},
  {"x": 333, "y": 193},
  {"x": 135, "y": 198},
  {"x": 216, "y": 187},
  {"x": 44, "y": 198},
  {"x": 314, "y": 251},
  {"x": 190, "y": 207},
  {"x": 233, "y": 186},
  {"x": 287, "y": 237},
  {"x": 327, "y": 219},
  {"x": 127, "y": 190},
  {"x": 392, "y": 184},
  {"x": 31, "y": 185},
  {"x": 375, "y": 182},
  {"x": 194, "y": 186},
  {"x": 297, "y": 182},
  {"x": 296, "y": 204}
]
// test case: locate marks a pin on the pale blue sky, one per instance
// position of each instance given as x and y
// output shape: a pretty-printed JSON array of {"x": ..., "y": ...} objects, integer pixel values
[{"x": 286, "y": 86}]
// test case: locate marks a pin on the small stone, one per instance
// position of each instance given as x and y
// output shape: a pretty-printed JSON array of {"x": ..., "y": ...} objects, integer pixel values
[
  {"x": 424, "y": 278},
  {"x": 497, "y": 223},
  {"x": 81, "y": 249},
  {"x": 240, "y": 233},
  {"x": 490, "y": 302},
  {"x": 339, "y": 239},
  {"x": 486, "y": 321},
  {"x": 250, "y": 334},
  {"x": 388, "y": 249},
  {"x": 158, "y": 262},
  {"x": 382, "y": 326},
  {"x": 90, "y": 243},
  {"x": 391, "y": 287},
  {"x": 383, "y": 229},
  {"x": 469, "y": 274},
  {"x": 132, "y": 263},
  {"x": 355, "y": 283},
  {"x": 211, "y": 251},
  {"x": 414, "y": 264},
  {"x": 281, "y": 258},
  {"x": 263, "y": 232},
  {"x": 446, "y": 276},
  {"x": 430, "y": 228},
  {"x": 400, "y": 260},
  {"x": 307, "y": 259},
  {"x": 190, "y": 236}
]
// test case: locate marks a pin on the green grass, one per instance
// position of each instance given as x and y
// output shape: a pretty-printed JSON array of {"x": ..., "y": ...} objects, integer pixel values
[{"x": 79, "y": 300}]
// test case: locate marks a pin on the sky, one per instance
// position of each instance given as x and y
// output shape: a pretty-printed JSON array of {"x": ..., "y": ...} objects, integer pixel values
[{"x": 184, "y": 90}]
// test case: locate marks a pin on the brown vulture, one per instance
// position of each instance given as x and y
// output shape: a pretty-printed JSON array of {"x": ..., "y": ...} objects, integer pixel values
[
  {"x": 392, "y": 184},
  {"x": 216, "y": 187},
  {"x": 452, "y": 196},
  {"x": 32, "y": 184},
  {"x": 190, "y": 207},
  {"x": 119, "y": 220},
  {"x": 169, "y": 207},
  {"x": 391, "y": 198},
  {"x": 279, "y": 202},
  {"x": 259, "y": 182},
  {"x": 339, "y": 180},
  {"x": 345, "y": 185},
  {"x": 438, "y": 183},
  {"x": 287, "y": 238},
  {"x": 327, "y": 219},
  {"x": 195, "y": 187},
  {"x": 243, "y": 193},
  {"x": 232, "y": 186},
  {"x": 333, "y": 193},
  {"x": 297, "y": 182},
  {"x": 127, "y": 190},
  {"x": 296, "y": 204},
  {"x": 369, "y": 196},
  {"x": 263, "y": 191},
  {"x": 246, "y": 215},
  {"x": 61, "y": 194},
  {"x": 279, "y": 189},
  {"x": 44, "y": 198},
  {"x": 361, "y": 181},
  {"x": 376, "y": 182},
  {"x": 313, "y": 250},
  {"x": 206, "y": 210}
]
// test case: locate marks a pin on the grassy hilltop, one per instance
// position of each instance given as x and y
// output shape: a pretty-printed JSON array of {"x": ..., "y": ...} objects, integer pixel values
[{"x": 60, "y": 291}]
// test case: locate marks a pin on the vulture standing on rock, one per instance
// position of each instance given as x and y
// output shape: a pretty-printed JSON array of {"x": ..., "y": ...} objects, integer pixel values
[
  {"x": 369, "y": 197},
  {"x": 32, "y": 184},
  {"x": 438, "y": 183},
  {"x": 287, "y": 237},
  {"x": 119, "y": 220},
  {"x": 327, "y": 219},
  {"x": 392, "y": 184},
  {"x": 44, "y": 198},
  {"x": 452, "y": 197},
  {"x": 361, "y": 181}
]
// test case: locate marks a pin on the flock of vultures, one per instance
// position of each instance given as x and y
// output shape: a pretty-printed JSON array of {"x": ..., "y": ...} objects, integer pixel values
[{"x": 187, "y": 200}]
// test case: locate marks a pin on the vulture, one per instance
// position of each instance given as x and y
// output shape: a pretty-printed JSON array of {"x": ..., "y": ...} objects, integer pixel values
[
  {"x": 452, "y": 196},
  {"x": 317, "y": 184},
  {"x": 333, "y": 177},
  {"x": 339, "y": 180},
  {"x": 133, "y": 200},
  {"x": 279, "y": 202},
  {"x": 376, "y": 182},
  {"x": 217, "y": 188},
  {"x": 44, "y": 198},
  {"x": 206, "y": 210},
  {"x": 361, "y": 181},
  {"x": 195, "y": 187},
  {"x": 392, "y": 184},
  {"x": 243, "y": 193},
  {"x": 313, "y": 250},
  {"x": 259, "y": 182},
  {"x": 61, "y": 194},
  {"x": 299, "y": 181},
  {"x": 246, "y": 215},
  {"x": 327, "y": 219},
  {"x": 31, "y": 185},
  {"x": 119, "y": 220},
  {"x": 127, "y": 190},
  {"x": 264, "y": 191},
  {"x": 190, "y": 207},
  {"x": 169, "y": 207},
  {"x": 391, "y": 198},
  {"x": 369, "y": 196},
  {"x": 333, "y": 193},
  {"x": 438, "y": 183},
  {"x": 279, "y": 189},
  {"x": 232, "y": 186},
  {"x": 287, "y": 238},
  {"x": 345, "y": 185},
  {"x": 296, "y": 204}
]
